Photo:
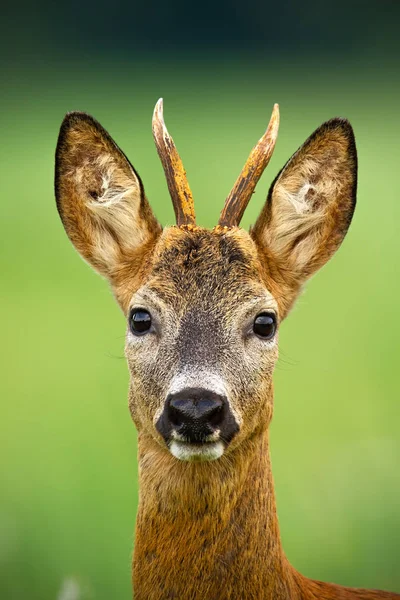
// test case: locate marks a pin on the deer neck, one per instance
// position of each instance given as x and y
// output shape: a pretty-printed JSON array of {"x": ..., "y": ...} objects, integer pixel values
[{"x": 209, "y": 530}]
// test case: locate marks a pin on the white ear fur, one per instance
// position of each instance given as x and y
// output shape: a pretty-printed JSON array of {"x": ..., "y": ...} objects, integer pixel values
[
  {"x": 311, "y": 202},
  {"x": 99, "y": 195}
]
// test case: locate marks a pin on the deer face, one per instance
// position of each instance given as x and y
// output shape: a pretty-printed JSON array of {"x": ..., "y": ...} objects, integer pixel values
[
  {"x": 203, "y": 307},
  {"x": 202, "y": 342}
]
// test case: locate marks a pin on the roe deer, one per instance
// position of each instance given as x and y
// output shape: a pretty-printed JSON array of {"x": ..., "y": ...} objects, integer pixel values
[{"x": 203, "y": 309}]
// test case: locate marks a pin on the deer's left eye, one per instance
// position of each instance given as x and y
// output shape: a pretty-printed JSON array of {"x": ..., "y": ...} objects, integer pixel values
[
  {"x": 139, "y": 321},
  {"x": 265, "y": 325}
]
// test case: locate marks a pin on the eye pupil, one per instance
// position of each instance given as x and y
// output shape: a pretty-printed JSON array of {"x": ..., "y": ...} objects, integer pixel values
[
  {"x": 139, "y": 321},
  {"x": 265, "y": 325}
]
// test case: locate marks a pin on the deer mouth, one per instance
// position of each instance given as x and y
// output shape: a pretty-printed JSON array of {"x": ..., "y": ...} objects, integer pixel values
[{"x": 196, "y": 451}]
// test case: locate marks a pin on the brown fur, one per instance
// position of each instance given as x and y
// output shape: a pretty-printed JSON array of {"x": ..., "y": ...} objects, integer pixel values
[{"x": 208, "y": 530}]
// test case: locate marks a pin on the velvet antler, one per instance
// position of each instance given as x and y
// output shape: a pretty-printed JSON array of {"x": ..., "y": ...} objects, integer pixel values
[
  {"x": 178, "y": 185},
  {"x": 240, "y": 195}
]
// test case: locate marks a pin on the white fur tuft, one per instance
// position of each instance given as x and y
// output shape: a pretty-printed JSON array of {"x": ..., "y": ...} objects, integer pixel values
[{"x": 196, "y": 452}]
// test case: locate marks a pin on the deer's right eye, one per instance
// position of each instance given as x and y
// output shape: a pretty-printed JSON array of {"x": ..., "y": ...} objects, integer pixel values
[{"x": 139, "y": 321}]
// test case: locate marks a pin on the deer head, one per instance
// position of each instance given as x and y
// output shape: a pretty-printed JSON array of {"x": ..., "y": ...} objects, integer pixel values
[{"x": 203, "y": 307}]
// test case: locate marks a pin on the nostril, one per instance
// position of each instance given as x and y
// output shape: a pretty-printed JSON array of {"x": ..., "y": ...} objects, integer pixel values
[
  {"x": 176, "y": 412},
  {"x": 216, "y": 414}
]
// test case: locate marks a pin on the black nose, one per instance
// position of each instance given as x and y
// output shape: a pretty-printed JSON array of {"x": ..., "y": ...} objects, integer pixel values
[
  {"x": 196, "y": 413},
  {"x": 195, "y": 408}
]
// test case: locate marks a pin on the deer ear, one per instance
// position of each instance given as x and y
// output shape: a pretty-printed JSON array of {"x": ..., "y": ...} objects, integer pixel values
[
  {"x": 311, "y": 202},
  {"x": 99, "y": 195}
]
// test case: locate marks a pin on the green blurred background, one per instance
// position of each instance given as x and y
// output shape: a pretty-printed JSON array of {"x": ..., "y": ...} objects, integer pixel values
[{"x": 68, "y": 473}]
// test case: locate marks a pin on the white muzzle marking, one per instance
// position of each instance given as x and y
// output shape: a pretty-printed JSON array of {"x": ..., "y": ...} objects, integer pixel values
[{"x": 196, "y": 452}]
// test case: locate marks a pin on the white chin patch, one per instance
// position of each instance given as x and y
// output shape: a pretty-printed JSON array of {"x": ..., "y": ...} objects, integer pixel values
[{"x": 196, "y": 452}]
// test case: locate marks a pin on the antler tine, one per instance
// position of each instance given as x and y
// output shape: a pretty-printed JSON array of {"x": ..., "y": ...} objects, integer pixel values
[
  {"x": 238, "y": 199},
  {"x": 175, "y": 174}
]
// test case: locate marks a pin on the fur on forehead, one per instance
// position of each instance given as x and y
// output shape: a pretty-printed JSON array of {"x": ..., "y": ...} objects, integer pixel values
[{"x": 202, "y": 262}]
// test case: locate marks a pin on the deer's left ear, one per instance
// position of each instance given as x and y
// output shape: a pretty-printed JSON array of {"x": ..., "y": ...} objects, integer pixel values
[{"x": 311, "y": 202}]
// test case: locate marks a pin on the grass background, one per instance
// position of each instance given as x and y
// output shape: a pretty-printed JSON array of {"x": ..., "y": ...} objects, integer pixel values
[{"x": 68, "y": 471}]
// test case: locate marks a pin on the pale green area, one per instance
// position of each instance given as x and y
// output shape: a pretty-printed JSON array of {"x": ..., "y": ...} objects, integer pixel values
[{"x": 67, "y": 446}]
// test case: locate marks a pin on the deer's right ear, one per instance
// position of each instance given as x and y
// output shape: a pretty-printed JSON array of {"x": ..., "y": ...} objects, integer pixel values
[{"x": 99, "y": 195}]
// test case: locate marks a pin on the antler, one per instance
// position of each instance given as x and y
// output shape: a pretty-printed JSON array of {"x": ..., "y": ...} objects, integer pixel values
[
  {"x": 178, "y": 185},
  {"x": 238, "y": 199}
]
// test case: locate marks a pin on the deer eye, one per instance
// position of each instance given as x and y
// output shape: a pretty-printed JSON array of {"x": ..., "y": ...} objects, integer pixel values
[
  {"x": 139, "y": 321},
  {"x": 265, "y": 325}
]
